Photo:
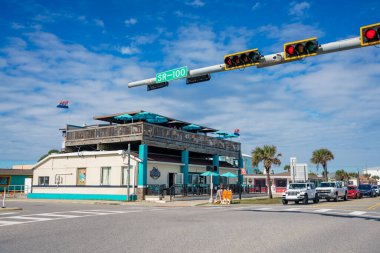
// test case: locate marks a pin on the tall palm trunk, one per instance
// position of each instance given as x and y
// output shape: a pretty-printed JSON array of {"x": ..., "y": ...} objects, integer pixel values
[
  {"x": 268, "y": 184},
  {"x": 325, "y": 170}
]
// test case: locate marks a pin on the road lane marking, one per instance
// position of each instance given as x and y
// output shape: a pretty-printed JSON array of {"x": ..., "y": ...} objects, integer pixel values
[
  {"x": 6, "y": 213},
  {"x": 91, "y": 212},
  {"x": 374, "y": 206},
  {"x": 7, "y": 223},
  {"x": 28, "y": 218},
  {"x": 322, "y": 210},
  {"x": 293, "y": 209},
  {"x": 263, "y": 209},
  {"x": 357, "y": 213},
  {"x": 63, "y": 216}
]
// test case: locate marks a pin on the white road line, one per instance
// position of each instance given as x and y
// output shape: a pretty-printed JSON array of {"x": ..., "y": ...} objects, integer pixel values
[
  {"x": 28, "y": 218},
  {"x": 105, "y": 211},
  {"x": 59, "y": 216},
  {"x": 7, "y": 223},
  {"x": 6, "y": 213},
  {"x": 322, "y": 210},
  {"x": 263, "y": 209},
  {"x": 357, "y": 213},
  {"x": 90, "y": 212},
  {"x": 292, "y": 209}
]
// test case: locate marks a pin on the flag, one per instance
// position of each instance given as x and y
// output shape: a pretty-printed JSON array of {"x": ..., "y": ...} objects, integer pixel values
[
  {"x": 63, "y": 104},
  {"x": 237, "y": 132}
]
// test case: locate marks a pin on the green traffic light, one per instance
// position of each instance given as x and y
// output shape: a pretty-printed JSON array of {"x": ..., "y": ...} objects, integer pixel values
[{"x": 311, "y": 46}]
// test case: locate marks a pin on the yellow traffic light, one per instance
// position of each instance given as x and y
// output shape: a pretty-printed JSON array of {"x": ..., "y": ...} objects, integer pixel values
[
  {"x": 242, "y": 59},
  {"x": 300, "y": 49},
  {"x": 370, "y": 35}
]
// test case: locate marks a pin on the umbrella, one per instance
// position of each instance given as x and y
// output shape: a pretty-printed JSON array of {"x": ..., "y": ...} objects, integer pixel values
[
  {"x": 208, "y": 174},
  {"x": 221, "y": 133},
  {"x": 157, "y": 120},
  {"x": 191, "y": 127},
  {"x": 144, "y": 116},
  {"x": 229, "y": 175},
  {"x": 124, "y": 117}
]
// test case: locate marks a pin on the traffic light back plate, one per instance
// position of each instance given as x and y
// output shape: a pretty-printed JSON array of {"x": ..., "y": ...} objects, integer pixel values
[{"x": 287, "y": 58}]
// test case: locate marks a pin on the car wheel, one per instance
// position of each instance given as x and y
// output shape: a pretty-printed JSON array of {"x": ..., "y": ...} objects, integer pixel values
[
  {"x": 305, "y": 200},
  {"x": 345, "y": 197},
  {"x": 284, "y": 202},
  {"x": 316, "y": 199},
  {"x": 297, "y": 202},
  {"x": 336, "y": 197},
  {"x": 357, "y": 196}
]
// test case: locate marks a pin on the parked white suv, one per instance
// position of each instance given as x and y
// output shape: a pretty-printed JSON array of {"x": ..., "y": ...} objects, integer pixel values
[
  {"x": 300, "y": 192},
  {"x": 332, "y": 190}
]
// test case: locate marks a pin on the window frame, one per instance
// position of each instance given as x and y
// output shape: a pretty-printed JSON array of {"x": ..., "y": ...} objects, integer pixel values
[{"x": 102, "y": 169}]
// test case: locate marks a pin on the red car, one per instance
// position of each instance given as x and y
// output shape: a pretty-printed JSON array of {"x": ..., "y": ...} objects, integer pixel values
[{"x": 353, "y": 192}]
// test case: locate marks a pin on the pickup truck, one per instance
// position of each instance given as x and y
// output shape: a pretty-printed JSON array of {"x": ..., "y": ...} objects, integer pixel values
[
  {"x": 332, "y": 190},
  {"x": 300, "y": 192}
]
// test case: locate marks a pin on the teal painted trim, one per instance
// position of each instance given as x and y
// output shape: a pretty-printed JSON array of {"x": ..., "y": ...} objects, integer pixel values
[
  {"x": 185, "y": 167},
  {"x": 143, "y": 165},
  {"x": 77, "y": 196},
  {"x": 215, "y": 162},
  {"x": 241, "y": 165}
]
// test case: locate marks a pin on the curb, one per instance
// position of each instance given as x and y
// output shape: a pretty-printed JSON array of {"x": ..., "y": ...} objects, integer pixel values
[{"x": 10, "y": 209}]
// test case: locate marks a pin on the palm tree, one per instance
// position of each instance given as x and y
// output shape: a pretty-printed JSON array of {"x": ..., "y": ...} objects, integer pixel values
[
  {"x": 322, "y": 156},
  {"x": 376, "y": 177},
  {"x": 287, "y": 167},
  {"x": 268, "y": 155},
  {"x": 341, "y": 175}
]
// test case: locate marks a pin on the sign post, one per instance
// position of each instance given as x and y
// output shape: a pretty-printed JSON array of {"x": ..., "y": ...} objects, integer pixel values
[{"x": 173, "y": 74}]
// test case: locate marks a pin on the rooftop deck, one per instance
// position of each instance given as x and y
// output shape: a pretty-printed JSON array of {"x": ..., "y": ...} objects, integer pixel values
[{"x": 152, "y": 135}]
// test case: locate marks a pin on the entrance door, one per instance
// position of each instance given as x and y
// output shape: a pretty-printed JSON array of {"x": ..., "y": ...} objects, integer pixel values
[
  {"x": 171, "y": 179},
  {"x": 81, "y": 176}
]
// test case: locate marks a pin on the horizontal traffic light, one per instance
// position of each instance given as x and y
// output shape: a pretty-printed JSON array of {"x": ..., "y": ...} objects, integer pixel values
[
  {"x": 242, "y": 59},
  {"x": 300, "y": 49},
  {"x": 370, "y": 35}
]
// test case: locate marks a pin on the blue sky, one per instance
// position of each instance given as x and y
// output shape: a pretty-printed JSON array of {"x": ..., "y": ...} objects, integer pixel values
[{"x": 87, "y": 52}]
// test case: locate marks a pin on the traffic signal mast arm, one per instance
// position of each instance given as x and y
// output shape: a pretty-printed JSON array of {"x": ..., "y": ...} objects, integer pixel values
[{"x": 265, "y": 61}]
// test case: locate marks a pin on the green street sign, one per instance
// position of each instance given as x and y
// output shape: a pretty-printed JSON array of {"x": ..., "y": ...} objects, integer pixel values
[{"x": 171, "y": 75}]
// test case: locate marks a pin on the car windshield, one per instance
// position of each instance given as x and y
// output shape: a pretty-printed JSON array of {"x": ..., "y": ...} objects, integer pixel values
[
  {"x": 364, "y": 187},
  {"x": 297, "y": 186},
  {"x": 351, "y": 187},
  {"x": 327, "y": 184}
]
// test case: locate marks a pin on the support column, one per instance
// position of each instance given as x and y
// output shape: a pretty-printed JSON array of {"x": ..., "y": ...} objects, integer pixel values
[
  {"x": 185, "y": 166},
  {"x": 143, "y": 171},
  {"x": 240, "y": 176},
  {"x": 215, "y": 162}
]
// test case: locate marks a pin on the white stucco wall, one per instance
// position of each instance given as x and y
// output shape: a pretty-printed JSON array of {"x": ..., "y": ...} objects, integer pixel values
[
  {"x": 67, "y": 166},
  {"x": 165, "y": 169}
]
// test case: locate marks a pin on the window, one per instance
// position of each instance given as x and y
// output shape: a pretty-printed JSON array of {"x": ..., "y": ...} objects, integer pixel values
[
  {"x": 281, "y": 183},
  {"x": 43, "y": 180},
  {"x": 105, "y": 176},
  {"x": 124, "y": 175},
  {"x": 179, "y": 178}
]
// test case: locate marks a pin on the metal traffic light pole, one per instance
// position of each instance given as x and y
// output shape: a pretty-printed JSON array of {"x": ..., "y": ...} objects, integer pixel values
[{"x": 265, "y": 61}]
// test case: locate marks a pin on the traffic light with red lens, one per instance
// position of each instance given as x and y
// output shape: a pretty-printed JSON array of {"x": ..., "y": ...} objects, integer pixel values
[
  {"x": 300, "y": 49},
  {"x": 242, "y": 59},
  {"x": 370, "y": 35}
]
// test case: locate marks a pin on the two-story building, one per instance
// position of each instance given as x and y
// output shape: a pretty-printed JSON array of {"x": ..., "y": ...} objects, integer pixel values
[{"x": 165, "y": 153}]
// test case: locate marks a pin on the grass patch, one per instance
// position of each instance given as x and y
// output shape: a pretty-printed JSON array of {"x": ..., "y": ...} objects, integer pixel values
[{"x": 258, "y": 201}]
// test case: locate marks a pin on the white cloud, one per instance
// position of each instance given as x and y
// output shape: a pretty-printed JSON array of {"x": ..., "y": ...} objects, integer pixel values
[
  {"x": 256, "y": 6},
  {"x": 99, "y": 23},
  {"x": 128, "y": 50},
  {"x": 131, "y": 21},
  {"x": 195, "y": 3},
  {"x": 298, "y": 9}
]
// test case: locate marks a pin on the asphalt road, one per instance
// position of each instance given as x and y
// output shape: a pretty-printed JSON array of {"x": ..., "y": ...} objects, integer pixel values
[{"x": 351, "y": 226}]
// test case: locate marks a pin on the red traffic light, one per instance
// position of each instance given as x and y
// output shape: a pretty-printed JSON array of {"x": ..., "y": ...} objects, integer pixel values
[
  {"x": 370, "y": 34},
  {"x": 290, "y": 50},
  {"x": 228, "y": 61},
  {"x": 242, "y": 59}
]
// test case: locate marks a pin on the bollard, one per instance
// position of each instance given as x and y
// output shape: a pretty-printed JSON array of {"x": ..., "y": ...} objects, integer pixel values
[{"x": 3, "y": 206}]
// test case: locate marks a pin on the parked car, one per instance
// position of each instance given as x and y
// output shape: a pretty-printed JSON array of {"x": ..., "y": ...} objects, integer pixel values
[
  {"x": 366, "y": 190},
  {"x": 332, "y": 190},
  {"x": 353, "y": 192},
  {"x": 300, "y": 192},
  {"x": 377, "y": 190}
]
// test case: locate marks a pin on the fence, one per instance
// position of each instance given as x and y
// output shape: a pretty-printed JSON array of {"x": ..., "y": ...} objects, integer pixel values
[{"x": 14, "y": 191}]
